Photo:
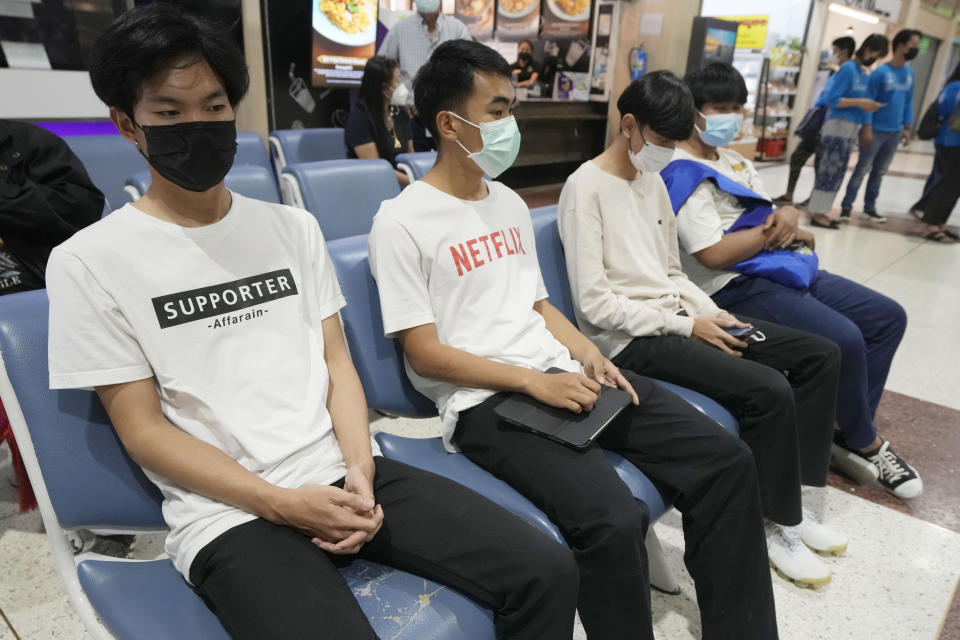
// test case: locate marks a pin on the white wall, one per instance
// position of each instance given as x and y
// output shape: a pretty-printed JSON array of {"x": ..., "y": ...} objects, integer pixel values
[
  {"x": 788, "y": 18},
  {"x": 43, "y": 94}
]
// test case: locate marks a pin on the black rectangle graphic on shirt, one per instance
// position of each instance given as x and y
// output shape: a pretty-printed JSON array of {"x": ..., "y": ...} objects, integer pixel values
[{"x": 198, "y": 304}]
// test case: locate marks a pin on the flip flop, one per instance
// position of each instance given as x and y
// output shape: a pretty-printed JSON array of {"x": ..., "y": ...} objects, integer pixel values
[
  {"x": 951, "y": 234},
  {"x": 831, "y": 225},
  {"x": 938, "y": 236}
]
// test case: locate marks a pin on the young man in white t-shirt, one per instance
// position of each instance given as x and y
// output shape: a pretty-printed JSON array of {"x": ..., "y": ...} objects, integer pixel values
[
  {"x": 632, "y": 298},
  {"x": 866, "y": 325},
  {"x": 207, "y": 323},
  {"x": 460, "y": 287}
]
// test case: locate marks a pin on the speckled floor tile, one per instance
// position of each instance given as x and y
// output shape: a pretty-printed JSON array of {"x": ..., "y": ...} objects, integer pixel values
[{"x": 895, "y": 581}]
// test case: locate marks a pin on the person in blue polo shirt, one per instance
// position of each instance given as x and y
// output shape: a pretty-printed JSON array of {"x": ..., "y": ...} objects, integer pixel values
[
  {"x": 892, "y": 85},
  {"x": 850, "y": 107}
]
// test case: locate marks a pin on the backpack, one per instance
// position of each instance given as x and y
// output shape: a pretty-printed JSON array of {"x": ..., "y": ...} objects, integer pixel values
[{"x": 930, "y": 122}]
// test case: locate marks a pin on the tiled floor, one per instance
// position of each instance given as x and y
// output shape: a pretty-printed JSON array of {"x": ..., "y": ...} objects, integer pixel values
[{"x": 899, "y": 575}]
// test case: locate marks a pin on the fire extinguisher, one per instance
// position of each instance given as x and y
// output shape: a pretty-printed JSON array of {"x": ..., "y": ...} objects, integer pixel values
[{"x": 638, "y": 63}]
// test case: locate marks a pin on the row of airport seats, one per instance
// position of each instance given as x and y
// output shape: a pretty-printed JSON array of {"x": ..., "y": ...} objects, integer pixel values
[
  {"x": 120, "y": 171},
  {"x": 84, "y": 479}
]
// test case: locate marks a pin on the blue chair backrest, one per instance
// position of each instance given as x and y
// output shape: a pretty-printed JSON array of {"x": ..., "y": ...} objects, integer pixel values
[
  {"x": 91, "y": 481},
  {"x": 296, "y": 146},
  {"x": 378, "y": 359},
  {"x": 108, "y": 161},
  {"x": 419, "y": 163},
  {"x": 344, "y": 195},
  {"x": 553, "y": 265},
  {"x": 251, "y": 150},
  {"x": 248, "y": 180}
]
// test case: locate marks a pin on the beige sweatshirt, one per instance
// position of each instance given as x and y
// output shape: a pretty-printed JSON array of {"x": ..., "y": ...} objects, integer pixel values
[{"x": 623, "y": 261}]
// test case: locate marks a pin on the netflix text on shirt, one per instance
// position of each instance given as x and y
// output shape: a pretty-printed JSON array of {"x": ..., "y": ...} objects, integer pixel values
[{"x": 469, "y": 255}]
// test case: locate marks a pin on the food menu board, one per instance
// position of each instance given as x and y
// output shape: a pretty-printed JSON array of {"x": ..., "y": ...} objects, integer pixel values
[
  {"x": 477, "y": 15},
  {"x": 565, "y": 18},
  {"x": 518, "y": 19},
  {"x": 344, "y": 38}
]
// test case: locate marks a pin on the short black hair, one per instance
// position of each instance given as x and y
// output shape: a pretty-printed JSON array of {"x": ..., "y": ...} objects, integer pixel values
[
  {"x": 875, "y": 42},
  {"x": 846, "y": 43},
  {"x": 446, "y": 80},
  {"x": 904, "y": 36},
  {"x": 661, "y": 101},
  {"x": 716, "y": 82},
  {"x": 150, "y": 38}
]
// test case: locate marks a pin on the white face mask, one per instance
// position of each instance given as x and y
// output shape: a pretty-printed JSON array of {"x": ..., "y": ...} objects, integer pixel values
[
  {"x": 400, "y": 95},
  {"x": 651, "y": 158}
]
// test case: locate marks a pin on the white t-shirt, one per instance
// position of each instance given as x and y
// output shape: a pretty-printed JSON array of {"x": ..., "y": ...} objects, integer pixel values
[
  {"x": 227, "y": 319},
  {"x": 709, "y": 211},
  {"x": 470, "y": 267},
  {"x": 620, "y": 243}
]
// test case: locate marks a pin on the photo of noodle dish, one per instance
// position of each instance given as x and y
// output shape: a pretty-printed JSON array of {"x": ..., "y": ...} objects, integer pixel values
[
  {"x": 572, "y": 10},
  {"x": 516, "y": 8},
  {"x": 347, "y": 22},
  {"x": 472, "y": 8}
]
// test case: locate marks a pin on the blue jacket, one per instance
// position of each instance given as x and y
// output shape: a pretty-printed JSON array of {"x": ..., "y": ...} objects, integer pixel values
[
  {"x": 894, "y": 87},
  {"x": 946, "y": 104},
  {"x": 797, "y": 269},
  {"x": 849, "y": 82}
]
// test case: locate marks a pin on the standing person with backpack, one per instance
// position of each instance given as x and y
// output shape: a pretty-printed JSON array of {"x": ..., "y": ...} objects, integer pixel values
[
  {"x": 850, "y": 108},
  {"x": 938, "y": 205},
  {"x": 928, "y": 130}
]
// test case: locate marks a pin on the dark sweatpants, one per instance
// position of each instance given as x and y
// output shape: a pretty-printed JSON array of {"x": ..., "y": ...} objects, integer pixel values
[
  {"x": 266, "y": 581},
  {"x": 783, "y": 391},
  {"x": 681, "y": 451},
  {"x": 866, "y": 325}
]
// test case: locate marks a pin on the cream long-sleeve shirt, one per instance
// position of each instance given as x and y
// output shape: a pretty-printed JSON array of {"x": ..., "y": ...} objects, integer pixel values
[{"x": 623, "y": 260}]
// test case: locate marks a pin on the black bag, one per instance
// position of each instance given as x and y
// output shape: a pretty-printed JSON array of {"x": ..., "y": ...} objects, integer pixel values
[
  {"x": 930, "y": 122},
  {"x": 809, "y": 128}
]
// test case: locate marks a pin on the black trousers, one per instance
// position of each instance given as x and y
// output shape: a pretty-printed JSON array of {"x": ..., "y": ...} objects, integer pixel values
[
  {"x": 783, "y": 391},
  {"x": 939, "y": 157},
  {"x": 799, "y": 157},
  {"x": 266, "y": 581},
  {"x": 943, "y": 197},
  {"x": 682, "y": 452}
]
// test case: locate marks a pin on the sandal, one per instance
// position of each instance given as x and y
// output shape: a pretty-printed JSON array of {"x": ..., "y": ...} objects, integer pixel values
[
  {"x": 816, "y": 222},
  {"x": 938, "y": 236},
  {"x": 950, "y": 233}
]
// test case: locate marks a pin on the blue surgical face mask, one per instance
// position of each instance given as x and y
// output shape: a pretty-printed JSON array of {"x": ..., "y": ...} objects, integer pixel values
[
  {"x": 721, "y": 128},
  {"x": 427, "y": 6},
  {"x": 501, "y": 143}
]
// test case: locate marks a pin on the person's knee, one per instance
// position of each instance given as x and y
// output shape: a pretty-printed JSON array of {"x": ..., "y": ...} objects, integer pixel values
[
  {"x": 848, "y": 338},
  {"x": 625, "y": 523}
]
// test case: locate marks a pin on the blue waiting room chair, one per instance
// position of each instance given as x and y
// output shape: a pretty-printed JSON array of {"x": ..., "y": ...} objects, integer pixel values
[
  {"x": 343, "y": 195},
  {"x": 416, "y": 165},
  {"x": 83, "y": 479},
  {"x": 248, "y": 180},
  {"x": 108, "y": 161},
  {"x": 379, "y": 363},
  {"x": 296, "y": 146}
]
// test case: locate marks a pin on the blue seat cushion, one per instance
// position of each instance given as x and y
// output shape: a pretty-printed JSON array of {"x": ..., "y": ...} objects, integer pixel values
[{"x": 151, "y": 601}]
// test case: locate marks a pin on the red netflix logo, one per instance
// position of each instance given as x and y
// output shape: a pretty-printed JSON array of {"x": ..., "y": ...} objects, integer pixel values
[{"x": 469, "y": 255}]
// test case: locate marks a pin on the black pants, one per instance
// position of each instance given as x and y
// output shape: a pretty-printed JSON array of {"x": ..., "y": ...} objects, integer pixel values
[
  {"x": 267, "y": 581},
  {"x": 939, "y": 157},
  {"x": 783, "y": 391},
  {"x": 682, "y": 452},
  {"x": 799, "y": 157},
  {"x": 943, "y": 197}
]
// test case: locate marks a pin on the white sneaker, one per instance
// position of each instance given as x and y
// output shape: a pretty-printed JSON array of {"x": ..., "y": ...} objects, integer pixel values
[
  {"x": 820, "y": 538},
  {"x": 792, "y": 559}
]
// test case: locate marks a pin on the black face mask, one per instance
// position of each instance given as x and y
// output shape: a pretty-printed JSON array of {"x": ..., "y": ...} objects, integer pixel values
[
  {"x": 192, "y": 155},
  {"x": 912, "y": 53},
  {"x": 525, "y": 57}
]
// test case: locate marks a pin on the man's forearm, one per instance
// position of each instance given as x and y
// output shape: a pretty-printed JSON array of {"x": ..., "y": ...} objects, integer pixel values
[
  {"x": 348, "y": 411},
  {"x": 564, "y": 331},
  {"x": 733, "y": 248}
]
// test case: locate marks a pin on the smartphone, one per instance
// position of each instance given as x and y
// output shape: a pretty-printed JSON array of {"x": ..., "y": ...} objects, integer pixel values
[{"x": 747, "y": 334}]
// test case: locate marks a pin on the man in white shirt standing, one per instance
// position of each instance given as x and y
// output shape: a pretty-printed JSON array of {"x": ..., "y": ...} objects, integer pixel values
[
  {"x": 866, "y": 325},
  {"x": 460, "y": 287},
  {"x": 208, "y": 324},
  {"x": 410, "y": 42},
  {"x": 633, "y": 300}
]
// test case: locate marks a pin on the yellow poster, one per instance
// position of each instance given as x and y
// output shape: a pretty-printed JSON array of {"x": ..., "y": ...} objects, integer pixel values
[{"x": 752, "y": 33}]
